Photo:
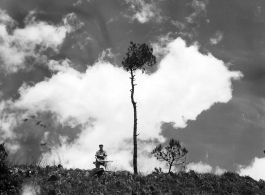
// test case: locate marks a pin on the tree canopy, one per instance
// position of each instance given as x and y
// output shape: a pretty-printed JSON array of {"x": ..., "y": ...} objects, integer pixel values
[
  {"x": 173, "y": 154},
  {"x": 138, "y": 55}
]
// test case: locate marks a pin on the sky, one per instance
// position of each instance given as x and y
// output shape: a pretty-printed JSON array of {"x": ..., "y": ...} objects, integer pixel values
[{"x": 61, "y": 70}]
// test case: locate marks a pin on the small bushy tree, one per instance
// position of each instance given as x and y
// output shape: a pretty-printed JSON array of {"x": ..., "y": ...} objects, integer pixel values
[{"x": 174, "y": 154}]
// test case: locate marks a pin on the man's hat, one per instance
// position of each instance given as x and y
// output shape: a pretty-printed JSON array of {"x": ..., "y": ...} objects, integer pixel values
[{"x": 100, "y": 144}]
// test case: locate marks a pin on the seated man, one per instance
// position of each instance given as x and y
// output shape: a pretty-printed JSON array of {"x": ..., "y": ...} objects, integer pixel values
[{"x": 101, "y": 156}]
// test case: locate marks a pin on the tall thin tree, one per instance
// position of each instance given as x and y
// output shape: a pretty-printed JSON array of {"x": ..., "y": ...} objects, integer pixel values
[{"x": 137, "y": 56}]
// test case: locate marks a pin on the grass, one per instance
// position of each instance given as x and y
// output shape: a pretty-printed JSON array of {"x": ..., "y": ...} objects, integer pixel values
[
  {"x": 51, "y": 180},
  {"x": 38, "y": 179}
]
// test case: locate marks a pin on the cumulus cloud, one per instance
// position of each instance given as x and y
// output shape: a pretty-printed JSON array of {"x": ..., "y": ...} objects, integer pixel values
[
  {"x": 199, "y": 167},
  {"x": 27, "y": 44},
  {"x": 144, "y": 12},
  {"x": 254, "y": 170},
  {"x": 160, "y": 48},
  {"x": 98, "y": 102},
  {"x": 218, "y": 36}
]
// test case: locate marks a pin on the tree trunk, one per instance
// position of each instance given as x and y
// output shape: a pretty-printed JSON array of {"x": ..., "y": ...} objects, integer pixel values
[
  {"x": 170, "y": 164},
  {"x": 134, "y": 125}
]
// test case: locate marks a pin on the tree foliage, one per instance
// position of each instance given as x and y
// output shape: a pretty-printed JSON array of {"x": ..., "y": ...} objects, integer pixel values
[
  {"x": 138, "y": 55},
  {"x": 174, "y": 154}
]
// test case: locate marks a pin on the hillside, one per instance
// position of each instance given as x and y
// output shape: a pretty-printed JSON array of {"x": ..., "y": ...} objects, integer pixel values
[{"x": 51, "y": 180}]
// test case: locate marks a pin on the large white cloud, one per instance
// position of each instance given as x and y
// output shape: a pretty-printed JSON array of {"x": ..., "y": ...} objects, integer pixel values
[
  {"x": 17, "y": 45},
  {"x": 185, "y": 84},
  {"x": 254, "y": 170}
]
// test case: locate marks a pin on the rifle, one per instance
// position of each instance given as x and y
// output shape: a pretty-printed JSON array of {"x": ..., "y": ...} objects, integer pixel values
[{"x": 104, "y": 161}]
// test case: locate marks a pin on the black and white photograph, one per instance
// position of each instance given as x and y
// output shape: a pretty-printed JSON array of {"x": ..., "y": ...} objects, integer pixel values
[{"x": 132, "y": 97}]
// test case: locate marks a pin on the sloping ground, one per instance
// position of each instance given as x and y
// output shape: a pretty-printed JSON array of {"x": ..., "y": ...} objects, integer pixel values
[{"x": 57, "y": 180}]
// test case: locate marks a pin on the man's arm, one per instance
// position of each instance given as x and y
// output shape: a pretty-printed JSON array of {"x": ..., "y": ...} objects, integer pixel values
[
  {"x": 96, "y": 156},
  {"x": 105, "y": 153}
]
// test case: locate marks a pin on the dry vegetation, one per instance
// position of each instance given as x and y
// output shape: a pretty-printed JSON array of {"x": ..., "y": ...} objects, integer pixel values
[{"x": 55, "y": 180}]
